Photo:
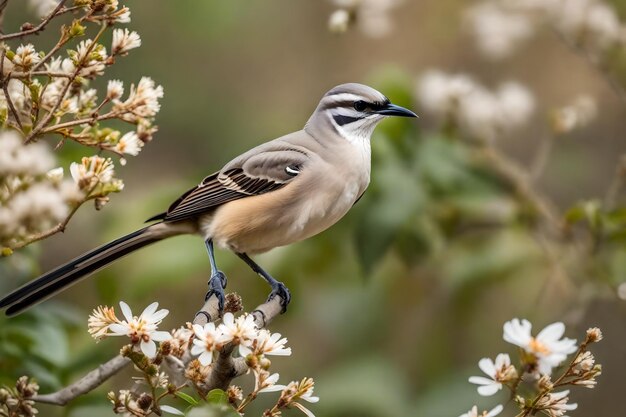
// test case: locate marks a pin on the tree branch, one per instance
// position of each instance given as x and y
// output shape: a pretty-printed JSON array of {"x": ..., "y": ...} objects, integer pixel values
[
  {"x": 86, "y": 384},
  {"x": 223, "y": 371},
  {"x": 226, "y": 368},
  {"x": 37, "y": 28}
]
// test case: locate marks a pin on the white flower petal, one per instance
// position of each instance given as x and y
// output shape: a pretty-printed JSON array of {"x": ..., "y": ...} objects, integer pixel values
[
  {"x": 488, "y": 390},
  {"x": 171, "y": 410},
  {"x": 149, "y": 311},
  {"x": 487, "y": 366},
  {"x": 206, "y": 358},
  {"x": 126, "y": 311},
  {"x": 552, "y": 332},
  {"x": 495, "y": 411},
  {"x": 160, "y": 336},
  {"x": 148, "y": 348},
  {"x": 119, "y": 329}
]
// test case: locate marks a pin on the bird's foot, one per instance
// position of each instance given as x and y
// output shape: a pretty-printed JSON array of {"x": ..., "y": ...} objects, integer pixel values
[
  {"x": 217, "y": 283},
  {"x": 279, "y": 289}
]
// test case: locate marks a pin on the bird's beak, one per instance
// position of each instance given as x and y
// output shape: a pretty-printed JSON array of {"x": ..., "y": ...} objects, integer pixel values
[{"x": 393, "y": 110}]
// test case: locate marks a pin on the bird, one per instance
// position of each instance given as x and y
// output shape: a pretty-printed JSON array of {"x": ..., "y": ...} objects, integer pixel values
[{"x": 280, "y": 192}]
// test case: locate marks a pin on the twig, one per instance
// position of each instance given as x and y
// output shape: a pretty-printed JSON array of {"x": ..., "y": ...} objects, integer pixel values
[
  {"x": 37, "y": 28},
  {"x": 72, "y": 123},
  {"x": 5, "y": 89},
  {"x": 26, "y": 75},
  {"x": 520, "y": 180},
  {"x": 615, "y": 85},
  {"x": 541, "y": 158},
  {"x": 54, "y": 230},
  {"x": 37, "y": 130},
  {"x": 86, "y": 384}
]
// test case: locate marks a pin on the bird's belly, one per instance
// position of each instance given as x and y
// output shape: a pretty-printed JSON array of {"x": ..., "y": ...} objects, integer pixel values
[{"x": 260, "y": 223}]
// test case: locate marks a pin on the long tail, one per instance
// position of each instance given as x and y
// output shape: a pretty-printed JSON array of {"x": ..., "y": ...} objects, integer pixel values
[{"x": 70, "y": 273}]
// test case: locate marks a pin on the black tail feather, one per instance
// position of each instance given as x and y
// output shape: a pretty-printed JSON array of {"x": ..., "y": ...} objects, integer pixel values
[{"x": 62, "y": 277}]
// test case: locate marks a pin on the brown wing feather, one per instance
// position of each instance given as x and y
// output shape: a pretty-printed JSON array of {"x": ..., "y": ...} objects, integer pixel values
[{"x": 213, "y": 192}]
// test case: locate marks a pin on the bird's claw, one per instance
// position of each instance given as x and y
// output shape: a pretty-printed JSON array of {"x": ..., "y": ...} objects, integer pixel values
[
  {"x": 279, "y": 289},
  {"x": 217, "y": 283}
]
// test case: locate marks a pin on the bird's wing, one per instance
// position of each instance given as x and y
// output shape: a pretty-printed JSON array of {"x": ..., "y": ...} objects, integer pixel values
[{"x": 253, "y": 173}]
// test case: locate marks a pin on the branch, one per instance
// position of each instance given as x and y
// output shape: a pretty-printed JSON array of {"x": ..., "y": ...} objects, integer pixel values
[
  {"x": 86, "y": 384},
  {"x": 520, "y": 180},
  {"x": 37, "y": 28},
  {"x": 226, "y": 368},
  {"x": 47, "y": 233}
]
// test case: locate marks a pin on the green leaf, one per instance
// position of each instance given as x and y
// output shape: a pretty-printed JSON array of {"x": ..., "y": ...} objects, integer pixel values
[
  {"x": 188, "y": 398},
  {"x": 217, "y": 396}
]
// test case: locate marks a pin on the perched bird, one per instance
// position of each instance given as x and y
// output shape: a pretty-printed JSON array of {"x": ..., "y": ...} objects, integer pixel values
[{"x": 280, "y": 192}]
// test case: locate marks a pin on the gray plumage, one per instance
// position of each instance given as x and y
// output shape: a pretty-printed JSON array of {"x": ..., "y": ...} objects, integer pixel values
[{"x": 277, "y": 193}]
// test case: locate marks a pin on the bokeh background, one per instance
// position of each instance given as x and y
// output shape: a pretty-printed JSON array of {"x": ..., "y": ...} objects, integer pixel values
[{"x": 392, "y": 307}]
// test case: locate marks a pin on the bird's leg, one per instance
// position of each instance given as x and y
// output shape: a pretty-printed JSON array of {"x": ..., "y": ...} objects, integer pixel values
[
  {"x": 218, "y": 281},
  {"x": 278, "y": 288}
]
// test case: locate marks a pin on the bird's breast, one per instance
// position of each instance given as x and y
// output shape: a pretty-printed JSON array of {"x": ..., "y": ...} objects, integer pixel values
[{"x": 310, "y": 204}]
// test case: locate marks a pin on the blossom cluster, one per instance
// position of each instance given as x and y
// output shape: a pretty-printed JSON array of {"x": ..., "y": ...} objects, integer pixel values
[
  {"x": 195, "y": 347},
  {"x": 373, "y": 17},
  {"x": 540, "y": 356},
  {"x": 461, "y": 102},
  {"x": 48, "y": 93},
  {"x": 500, "y": 26}
]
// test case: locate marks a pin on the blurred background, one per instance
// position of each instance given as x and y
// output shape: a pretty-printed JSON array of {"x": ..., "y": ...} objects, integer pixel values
[{"x": 394, "y": 306}]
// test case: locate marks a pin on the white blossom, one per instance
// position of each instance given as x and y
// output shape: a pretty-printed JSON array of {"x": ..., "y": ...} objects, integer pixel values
[
  {"x": 477, "y": 111},
  {"x": 55, "y": 175},
  {"x": 268, "y": 383},
  {"x": 37, "y": 208},
  {"x": 124, "y": 41},
  {"x": 555, "y": 404},
  {"x": 498, "y": 372},
  {"x": 92, "y": 170},
  {"x": 43, "y": 7},
  {"x": 207, "y": 340},
  {"x": 143, "y": 100},
  {"x": 576, "y": 115},
  {"x": 547, "y": 347},
  {"x": 373, "y": 17},
  {"x": 266, "y": 343},
  {"x": 26, "y": 56},
  {"x": 498, "y": 31},
  {"x": 115, "y": 89},
  {"x": 142, "y": 329},
  {"x": 474, "y": 412},
  {"x": 338, "y": 21},
  {"x": 239, "y": 331},
  {"x": 19, "y": 159},
  {"x": 129, "y": 144}
]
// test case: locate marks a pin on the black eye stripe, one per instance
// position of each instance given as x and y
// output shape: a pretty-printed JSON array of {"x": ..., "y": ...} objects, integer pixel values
[{"x": 342, "y": 120}]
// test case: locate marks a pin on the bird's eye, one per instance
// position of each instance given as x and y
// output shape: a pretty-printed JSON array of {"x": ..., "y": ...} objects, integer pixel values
[{"x": 360, "y": 105}]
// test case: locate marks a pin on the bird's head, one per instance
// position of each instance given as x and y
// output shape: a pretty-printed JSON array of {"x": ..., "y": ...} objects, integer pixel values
[{"x": 353, "y": 111}]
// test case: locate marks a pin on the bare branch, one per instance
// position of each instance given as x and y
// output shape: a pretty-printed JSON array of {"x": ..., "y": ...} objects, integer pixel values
[
  {"x": 86, "y": 384},
  {"x": 39, "y": 27},
  {"x": 520, "y": 180},
  {"x": 47, "y": 233}
]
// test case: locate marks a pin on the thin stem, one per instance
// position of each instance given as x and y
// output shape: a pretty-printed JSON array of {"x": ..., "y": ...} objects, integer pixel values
[
  {"x": 37, "y": 28},
  {"x": 5, "y": 88},
  {"x": 541, "y": 158},
  {"x": 85, "y": 384},
  {"x": 37, "y": 130},
  {"x": 615, "y": 85},
  {"x": 54, "y": 230},
  {"x": 71, "y": 123}
]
